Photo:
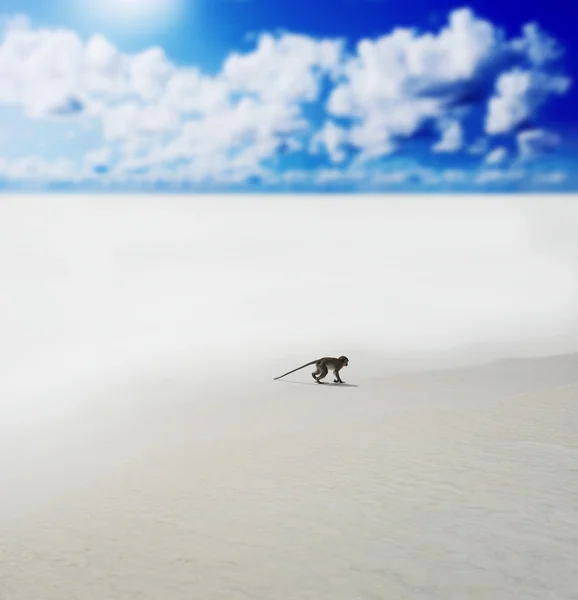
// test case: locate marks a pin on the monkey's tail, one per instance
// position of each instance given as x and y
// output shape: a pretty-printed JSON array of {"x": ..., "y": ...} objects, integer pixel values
[{"x": 297, "y": 369}]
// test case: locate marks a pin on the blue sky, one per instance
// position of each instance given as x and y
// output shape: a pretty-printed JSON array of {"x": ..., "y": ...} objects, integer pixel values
[{"x": 256, "y": 95}]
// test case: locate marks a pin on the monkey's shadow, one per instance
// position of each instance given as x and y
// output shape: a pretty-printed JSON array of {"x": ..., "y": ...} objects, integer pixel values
[{"x": 326, "y": 383}]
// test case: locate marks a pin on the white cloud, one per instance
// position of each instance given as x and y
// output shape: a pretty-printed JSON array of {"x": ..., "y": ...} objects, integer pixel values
[
  {"x": 496, "y": 156},
  {"x": 392, "y": 177},
  {"x": 38, "y": 169},
  {"x": 454, "y": 176},
  {"x": 331, "y": 137},
  {"x": 551, "y": 178},
  {"x": 519, "y": 94},
  {"x": 98, "y": 157},
  {"x": 189, "y": 93},
  {"x": 406, "y": 65},
  {"x": 498, "y": 176},
  {"x": 452, "y": 137},
  {"x": 537, "y": 45},
  {"x": 480, "y": 146},
  {"x": 409, "y": 174},
  {"x": 132, "y": 121},
  {"x": 294, "y": 176},
  {"x": 239, "y": 137},
  {"x": 106, "y": 66},
  {"x": 325, "y": 176},
  {"x": 283, "y": 69},
  {"x": 400, "y": 81},
  {"x": 224, "y": 126},
  {"x": 533, "y": 142},
  {"x": 40, "y": 67},
  {"x": 149, "y": 73},
  {"x": 163, "y": 120}
]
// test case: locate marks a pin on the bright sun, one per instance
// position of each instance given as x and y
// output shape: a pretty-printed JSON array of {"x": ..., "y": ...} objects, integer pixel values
[{"x": 127, "y": 14}]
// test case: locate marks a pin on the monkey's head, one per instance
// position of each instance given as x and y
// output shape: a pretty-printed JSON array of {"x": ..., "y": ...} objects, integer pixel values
[{"x": 344, "y": 360}]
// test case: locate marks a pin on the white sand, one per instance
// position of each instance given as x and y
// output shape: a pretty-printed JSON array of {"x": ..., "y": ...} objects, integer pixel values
[{"x": 132, "y": 468}]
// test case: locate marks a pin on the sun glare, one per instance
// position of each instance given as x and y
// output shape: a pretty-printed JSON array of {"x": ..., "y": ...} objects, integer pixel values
[{"x": 132, "y": 14}]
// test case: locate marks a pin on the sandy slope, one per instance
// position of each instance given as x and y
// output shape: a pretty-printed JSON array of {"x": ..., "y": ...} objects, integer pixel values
[
  {"x": 443, "y": 484},
  {"x": 146, "y": 452}
]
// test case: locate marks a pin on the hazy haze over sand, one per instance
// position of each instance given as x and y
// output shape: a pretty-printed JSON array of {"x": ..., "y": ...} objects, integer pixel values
[{"x": 134, "y": 466}]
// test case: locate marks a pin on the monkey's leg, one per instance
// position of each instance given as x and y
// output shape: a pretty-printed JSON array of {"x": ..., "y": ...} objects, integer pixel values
[
  {"x": 337, "y": 377},
  {"x": 322, "y": 373},
  {"x": 316, "y": 373}
]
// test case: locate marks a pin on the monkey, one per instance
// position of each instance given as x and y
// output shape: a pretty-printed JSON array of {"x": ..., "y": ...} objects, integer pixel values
[{"x": 322, "y": 368}]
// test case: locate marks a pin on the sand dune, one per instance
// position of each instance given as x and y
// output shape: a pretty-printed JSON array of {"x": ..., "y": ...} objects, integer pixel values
[
  {"x": 444, "y": 484},
  {"x": 148, "y": 453}
]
